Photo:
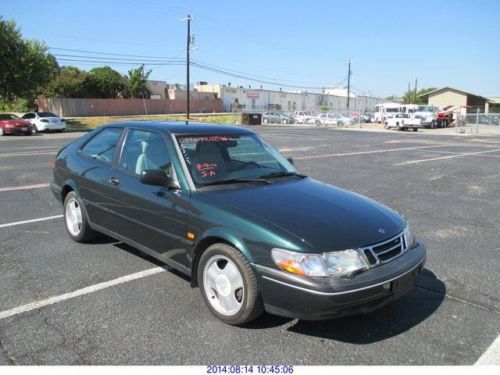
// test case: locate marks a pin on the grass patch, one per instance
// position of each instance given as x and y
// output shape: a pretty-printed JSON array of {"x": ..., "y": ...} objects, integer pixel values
[{"x": 88, "y": 123}]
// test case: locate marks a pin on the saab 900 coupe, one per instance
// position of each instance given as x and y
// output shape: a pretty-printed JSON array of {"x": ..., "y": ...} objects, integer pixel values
[{"x": 223, "y": 206}]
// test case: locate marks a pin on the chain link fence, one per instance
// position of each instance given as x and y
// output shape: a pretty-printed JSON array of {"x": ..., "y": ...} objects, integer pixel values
[{"x": 477, "y": 123}]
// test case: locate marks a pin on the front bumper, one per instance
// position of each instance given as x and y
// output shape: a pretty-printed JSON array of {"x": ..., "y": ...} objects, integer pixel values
[
  {"x": 17, "y": 130},
  {"x": 309, "y": 298}
]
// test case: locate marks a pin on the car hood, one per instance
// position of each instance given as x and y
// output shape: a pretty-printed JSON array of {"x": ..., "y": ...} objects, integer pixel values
[{"x": 326, "y": 217}]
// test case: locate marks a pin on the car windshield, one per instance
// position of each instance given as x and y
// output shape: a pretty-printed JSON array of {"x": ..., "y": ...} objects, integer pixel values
[
  {"x": 8, "y": 116},
  {"x": 46, "y": 114},
  {"x": 219, "y": 158}
]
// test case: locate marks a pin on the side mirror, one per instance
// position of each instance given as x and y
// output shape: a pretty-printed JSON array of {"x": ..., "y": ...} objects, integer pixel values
[
  {"x": 290, "y": 160},
  {"x": 157, "y": 177}
]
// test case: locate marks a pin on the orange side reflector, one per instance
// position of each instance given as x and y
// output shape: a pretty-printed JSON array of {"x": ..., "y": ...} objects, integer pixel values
[
  {"x": 190, "y": 235},
  {"x": 290, "y": 267}
]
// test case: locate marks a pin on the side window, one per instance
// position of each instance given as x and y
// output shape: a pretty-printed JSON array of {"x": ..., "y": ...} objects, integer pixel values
[
  {"x": 144, "y": 150},
  {"x": 103, "y": 145}
]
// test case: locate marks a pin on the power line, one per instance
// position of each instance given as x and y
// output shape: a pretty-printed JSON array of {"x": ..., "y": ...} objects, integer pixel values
[
  {"x": 111, "y": 59},
  {"x": 111, "y": 54}
]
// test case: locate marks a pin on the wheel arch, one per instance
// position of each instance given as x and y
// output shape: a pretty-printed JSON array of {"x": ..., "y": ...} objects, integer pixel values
[
  {"x": 210, "y": 238},
  {"x": 67, "y": 187}
]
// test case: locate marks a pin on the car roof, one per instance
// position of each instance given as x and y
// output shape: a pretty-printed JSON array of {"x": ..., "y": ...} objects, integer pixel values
[{"x": 182, "y": 127}]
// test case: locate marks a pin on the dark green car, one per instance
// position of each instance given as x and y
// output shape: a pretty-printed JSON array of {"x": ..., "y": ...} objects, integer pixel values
[{"x": 221, "y": 205}]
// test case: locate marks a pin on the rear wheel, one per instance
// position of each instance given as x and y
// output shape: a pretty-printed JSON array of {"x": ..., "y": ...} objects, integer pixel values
[
  {"x": 34, "y": 129},
  {"x": 228, "y": 285},
  {"x": 75, "y": 219}
]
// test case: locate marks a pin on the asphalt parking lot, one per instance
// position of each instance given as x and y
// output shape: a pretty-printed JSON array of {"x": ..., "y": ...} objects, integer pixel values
[{"x": 127, "y": 310}]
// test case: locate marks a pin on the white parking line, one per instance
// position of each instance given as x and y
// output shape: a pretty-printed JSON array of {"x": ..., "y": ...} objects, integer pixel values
[
  {"x": 491, "y": 356},
  {"x": 23, "y": 187},
  {"x": 446, "y": 157},
  {"x": 79, "y": 292},
  {"x": 28, "y": 154},
  {"x": 30, "y": 221},
  {"x": 321, "y": 156}
]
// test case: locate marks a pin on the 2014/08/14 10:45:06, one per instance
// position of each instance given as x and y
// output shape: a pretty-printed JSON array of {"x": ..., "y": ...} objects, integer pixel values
[{"x": 249, "y": 369}]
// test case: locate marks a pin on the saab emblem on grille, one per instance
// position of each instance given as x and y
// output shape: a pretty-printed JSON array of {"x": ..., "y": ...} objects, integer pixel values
[{"x": 381, "y": 230}]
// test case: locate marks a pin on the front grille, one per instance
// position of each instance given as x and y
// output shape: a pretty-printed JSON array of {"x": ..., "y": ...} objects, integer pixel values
[{"x": 384, "y": 252}]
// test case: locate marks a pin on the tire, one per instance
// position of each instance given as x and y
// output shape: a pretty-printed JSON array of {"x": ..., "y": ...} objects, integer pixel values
[
  {"x": 75, "y": 219},
  {"x": 415, "y": 129},
  {"x": 317, "y": 122},
  {"x": 34, "y": 129},
  {"x": 386, "y": 125},
  {"x": 225, "y": 270},
  {"x": 29, "y": 133}
]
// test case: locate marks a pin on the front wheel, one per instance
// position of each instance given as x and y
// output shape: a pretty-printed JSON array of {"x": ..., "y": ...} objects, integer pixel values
[
  {"x": 75, "y": 219},
  {"x": 228, "y": 285}
]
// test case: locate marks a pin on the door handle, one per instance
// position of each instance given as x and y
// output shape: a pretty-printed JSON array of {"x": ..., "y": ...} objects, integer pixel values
[{"x": 114, "y": 181}]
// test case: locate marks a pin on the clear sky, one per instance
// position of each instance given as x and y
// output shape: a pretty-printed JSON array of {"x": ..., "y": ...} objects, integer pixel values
[{"x": 303, "y": 43}]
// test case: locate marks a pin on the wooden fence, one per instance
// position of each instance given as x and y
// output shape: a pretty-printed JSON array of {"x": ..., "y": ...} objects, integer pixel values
[{"x": 69, "y": 107}]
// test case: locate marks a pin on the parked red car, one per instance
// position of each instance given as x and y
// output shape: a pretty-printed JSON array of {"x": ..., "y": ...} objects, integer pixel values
[{"x": 11, "y": 124}]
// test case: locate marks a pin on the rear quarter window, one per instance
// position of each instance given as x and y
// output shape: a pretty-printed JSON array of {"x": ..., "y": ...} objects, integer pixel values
[{"x": 103, "y": 145}]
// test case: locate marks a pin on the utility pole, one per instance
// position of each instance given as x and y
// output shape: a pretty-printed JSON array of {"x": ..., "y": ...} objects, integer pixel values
[
  {"x": 409, "y": 93},
  {"x": 348, "y": 84},
  {"x": 416, "y": 90},
  {"x": 188, "y": 44}
]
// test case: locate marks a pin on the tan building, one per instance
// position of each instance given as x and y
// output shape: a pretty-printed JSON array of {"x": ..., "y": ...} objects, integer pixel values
[{"x": 449, "y": 96}]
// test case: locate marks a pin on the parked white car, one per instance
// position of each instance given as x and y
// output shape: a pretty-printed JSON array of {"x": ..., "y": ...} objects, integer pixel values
[
  {"x": 329, "y": 119},
  {"x": 301, "y": 117},
  {"x": 43, "y": 121},
  {"x": 402, "y": 121}
]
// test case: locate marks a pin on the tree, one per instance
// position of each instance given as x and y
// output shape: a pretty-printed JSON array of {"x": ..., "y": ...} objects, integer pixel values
[
  {"x": 25, "y": 65},
  {"x": 137, "y": 83},
  {"x": 410, "y": 98},
  {"x": 104, "y": 82},
  {"x": 69, "y": 82}
]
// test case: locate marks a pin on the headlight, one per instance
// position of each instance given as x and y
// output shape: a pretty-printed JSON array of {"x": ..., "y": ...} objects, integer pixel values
[
  {"x": 299, "y": 264},
  {"x": 344, "y": 263},
  {"x": 337, "y": 264},
  {"x": 409, "y": 237}
]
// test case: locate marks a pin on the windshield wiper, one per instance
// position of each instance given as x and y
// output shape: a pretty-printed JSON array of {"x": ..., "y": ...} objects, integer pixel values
[
  {"x": 235, "y": 181},
  {"x": 282, "y": 174}
]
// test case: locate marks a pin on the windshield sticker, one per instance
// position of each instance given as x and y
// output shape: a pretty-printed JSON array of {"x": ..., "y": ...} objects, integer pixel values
[
  {"x": 217, "y": 138},
  {"x": 206, "y": 169}
]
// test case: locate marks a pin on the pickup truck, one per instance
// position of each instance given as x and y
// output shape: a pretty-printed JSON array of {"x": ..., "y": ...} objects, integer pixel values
[{"x": 402, "y": 121}]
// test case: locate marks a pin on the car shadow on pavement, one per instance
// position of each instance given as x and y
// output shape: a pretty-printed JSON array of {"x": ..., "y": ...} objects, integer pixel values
[{"x": 391, "y": 320}]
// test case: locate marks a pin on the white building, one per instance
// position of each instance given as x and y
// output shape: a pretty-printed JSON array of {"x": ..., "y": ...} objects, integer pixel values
[{"x": 242, "y": 99}]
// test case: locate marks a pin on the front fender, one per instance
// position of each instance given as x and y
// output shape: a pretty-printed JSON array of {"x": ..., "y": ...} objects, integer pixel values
[{"x": 227, "y": 235}]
